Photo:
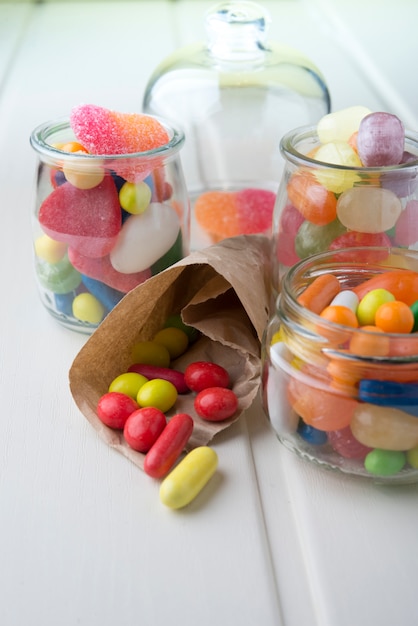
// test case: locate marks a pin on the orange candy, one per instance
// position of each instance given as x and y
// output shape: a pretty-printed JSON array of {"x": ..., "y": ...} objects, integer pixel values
[
  {"x": 315, "y": 202},
  {"x": 216, "y": 213},
  {"x": 394, "y": 317},
  {"x": 403, "y": 284},
  {"x": 320, "y": 293},
  {"x": 339, "y": 314},
  {"x": 373, "y": 342}
]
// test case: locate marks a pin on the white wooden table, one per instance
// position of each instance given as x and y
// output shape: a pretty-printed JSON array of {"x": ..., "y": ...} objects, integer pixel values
[{"x": 84, "y": 539}]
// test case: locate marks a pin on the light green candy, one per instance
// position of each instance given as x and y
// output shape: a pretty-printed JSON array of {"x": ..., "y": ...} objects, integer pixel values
[
  {"x": 369, "y": 304},
  {"x": 59, "y": 277},
  {"x": 384, "y": 462}
]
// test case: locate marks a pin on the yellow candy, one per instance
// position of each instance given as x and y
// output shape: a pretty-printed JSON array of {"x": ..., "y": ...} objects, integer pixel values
[
  {"x": 83, "y": 175},
  {"x": 50, "y": 250},
  {"x": 135, "y": 198},
  {"x": 341, "y": 124},
  {"x": 128, "y": 383},
  {"x": 369, "y": 304},
  {"x": 384, "y": 427},
  {"x": 151, "y": 353},
  {"x": 337, "y": 153},
  {"x": 174, "y": 339},
  {"x": 87, "y": 308},
  {"x": 189, "y": 477},
  {"x": 412, "y": 457}
]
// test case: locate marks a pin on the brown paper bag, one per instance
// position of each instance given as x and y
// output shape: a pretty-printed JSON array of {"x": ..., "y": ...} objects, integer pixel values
[{"x": 221, "y": 291}]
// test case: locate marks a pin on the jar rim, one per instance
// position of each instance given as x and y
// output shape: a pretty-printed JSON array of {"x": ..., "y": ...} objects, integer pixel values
[
  {"x": 301, "y": 133},
  {"x": 40, "y": 135}
]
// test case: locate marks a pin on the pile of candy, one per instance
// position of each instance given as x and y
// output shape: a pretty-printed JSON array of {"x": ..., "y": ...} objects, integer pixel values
[
  {"x": 222, "y": 214},
  {"x": 364, "y": 409},
  {"x": 107, "y": 225},
  {"x": 335, "y": 199},
  {"x": 138, "y": 400}
]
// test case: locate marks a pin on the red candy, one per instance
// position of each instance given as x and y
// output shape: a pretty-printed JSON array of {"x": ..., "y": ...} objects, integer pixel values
[
  {"x": 216, "y": 404},
  {"x": 255, "y": 210},
  {"x": 203, "y": 374},
  {"x": 169, "y": 445},
  {"x": 114, "y": 408},
  {"x": 154, "y": 371},
  {"x": 89, "y": 220},
  {"x": 143, "y": 427}
]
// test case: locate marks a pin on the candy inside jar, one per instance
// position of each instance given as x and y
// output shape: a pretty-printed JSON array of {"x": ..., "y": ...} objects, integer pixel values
[
  {"x": 111, "y": 210},
  {"x": 340, "y": 363},
  {"x": 349, "y": 181}
]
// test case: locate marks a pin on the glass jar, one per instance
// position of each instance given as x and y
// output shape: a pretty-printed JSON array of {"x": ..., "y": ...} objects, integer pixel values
[
  {"x": 320, "y": 206},
  {"x": 103, "y": 224},
  {"x": 235, "y": 95},
  {"x": 342, "y": 397}
]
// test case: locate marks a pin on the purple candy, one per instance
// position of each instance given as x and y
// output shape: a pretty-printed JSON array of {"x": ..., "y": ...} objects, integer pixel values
[{"x": 380, "y": 140}]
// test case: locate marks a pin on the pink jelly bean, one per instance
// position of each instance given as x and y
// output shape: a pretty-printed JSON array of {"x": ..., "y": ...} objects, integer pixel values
[
  {"x": 255, "y": 210},
  {"x": 406, "y": 230},
  {"x": 89, "y": 220},
  {"x": 102, "y": 269},
  {"x": 344, "y": 442}
]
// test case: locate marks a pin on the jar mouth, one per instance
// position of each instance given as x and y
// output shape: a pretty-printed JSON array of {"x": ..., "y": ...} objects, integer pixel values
[
  {"x": 43, "y": 134},
  {"x": 345, "y": 265},
  {"x": 307, "y": 136}
]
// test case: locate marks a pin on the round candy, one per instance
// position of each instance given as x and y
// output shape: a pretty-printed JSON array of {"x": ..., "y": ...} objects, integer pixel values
[
  {"x": 114, "y": 408},
  {"x": 394, "y": 317},
  {"x": 203, "y": 374},
  {"x": 370, "y": 303},
  {"x": 50, "y": 250},
  {"x": 380, "y": 139},
  {"x": 337, "y": 153},
  {"x": 383, "y": 209},
  {"x": 216, "y": 404},
  {"x": 87, "y": 308},
  {"x": 59, "y": 277},
  {"x": 313, "y": 238},
  {"x": 84, "y": 174},
  {"x": 135, "y": 198},
  {"x": 128, "y": 383},
  {"x": 143, "y": 427},
  {"x": 158, "y": 393},
  {"x": 384, "y": 462},
  {"x": 316, "y": 203}
]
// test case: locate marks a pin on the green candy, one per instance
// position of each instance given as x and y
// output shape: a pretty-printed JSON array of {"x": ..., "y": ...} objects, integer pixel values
[
  {"x": 311, "y": 238},
  {"x": 174, "y": 254},
  {"x": 414, "y": 309},
  {"x": 384, "y": 462},
  {"x": 176, "y": 322},
  {"x": 58, "y": 277}
]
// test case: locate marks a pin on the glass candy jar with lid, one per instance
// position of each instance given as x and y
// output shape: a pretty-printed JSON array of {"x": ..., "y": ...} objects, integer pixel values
[
  {"x": 235, "y": 96},
  {"x": 341, "y": 395}
]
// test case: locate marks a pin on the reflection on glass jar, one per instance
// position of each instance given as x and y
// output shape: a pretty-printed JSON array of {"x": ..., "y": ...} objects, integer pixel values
[
  {"x": 103, "y": 224},
  {"x": 322, "y": 207},
  {"x": 235, "y": 95},
  {"x": 344, "y": 394}
]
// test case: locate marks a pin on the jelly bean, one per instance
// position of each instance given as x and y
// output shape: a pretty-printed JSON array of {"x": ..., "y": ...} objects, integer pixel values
[
  {"x": 338, "y": 153},
  {"x": 174, "y": 254},
  {"x": 355, "y": 239},
  {"x": 84, "y": 174},
  {"x": 101, "y": 269},
  {"x": 312, "y": 435},
  {"x": 64, "y": 302},
  {"x": 370, "y": 303},
  {"x": 338, "y": 314},
  {"x": 60, "y": 277},
  {"x": 114, "y": 408},
  {"x": 50, "y": 250},
  {"x": 175, "y": 340},
  {"x": 150, "y": 353},
  {"x": 313, "y": 238},
  {"x": 394, "y": 317},
  {"x": 384, "y": 462},
  {"x": 402, "y": 396},
  {"x": 380, "y": 139},
  {"x": 383, "y": 209},
  {"x": 318, "y": 407},
  {"x": 167, "y": 448},
  {"x": 340, "y": 125},
  {"x": 152, "y": 371},
  {"x": 89, "y": 220},
  {"x": 106, "y": 295},
  {"x": 369, "y": 341},
  {"x": 128, "y": 383},
  {"x": 189, "y": 477},
  {"x": 319, "y": 293},
  {"x": 406, "y": 229},
  {"x": 346, "y": 298},
  {"x": 402, "y": 284},
  {"x": 384, "y": 427},
  {"x": 158, "y": 393},
  {"x": 132, "y": 252},
  {"x": 176, "y": 321},
  {"x": 347, "y": 446},
  {"x": 216, "y": 404},
  {"x": 315, "y": 203},
  {"x": 412, "y": 457},
  {"x": 87, "y": 308},
  {"x": 143, "y": 427},
  {"x": 135, "y": 198},
  {"x": 203, "y": 374},
  {"x": 414, "y": 309}
]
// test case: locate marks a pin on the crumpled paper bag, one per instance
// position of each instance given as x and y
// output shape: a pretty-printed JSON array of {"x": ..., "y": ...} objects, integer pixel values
[{"x": 222, "y": 292}]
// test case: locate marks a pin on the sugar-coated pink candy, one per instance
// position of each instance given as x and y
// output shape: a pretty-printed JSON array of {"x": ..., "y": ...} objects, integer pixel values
[
  {"x": 255, "y": 210},
  {"x": 406, "y": 229},
  {"x": 88, "y": 220},
  {"x": 102, "y": 269},
  {"x": 380, "y": 139}
]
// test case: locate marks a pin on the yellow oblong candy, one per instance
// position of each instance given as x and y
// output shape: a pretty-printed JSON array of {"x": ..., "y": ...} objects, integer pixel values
[{"x": 189, "y": 477}]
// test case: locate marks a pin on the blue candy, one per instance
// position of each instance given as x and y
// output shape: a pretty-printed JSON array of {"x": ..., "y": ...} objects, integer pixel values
[
  {"x": 108, "y": 296},
  {"x": 312, "y": 435},
  {"x": 402, "y": 396}
]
